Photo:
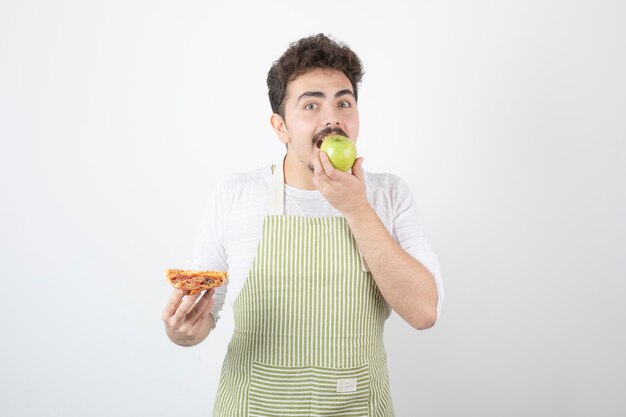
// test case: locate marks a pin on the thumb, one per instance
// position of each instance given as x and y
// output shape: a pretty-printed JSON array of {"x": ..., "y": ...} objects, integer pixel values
[{"x": 357, "y": 171}]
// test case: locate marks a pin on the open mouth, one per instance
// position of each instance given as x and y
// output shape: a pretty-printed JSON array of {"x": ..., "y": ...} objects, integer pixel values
[{"x": 326, "y": 133}]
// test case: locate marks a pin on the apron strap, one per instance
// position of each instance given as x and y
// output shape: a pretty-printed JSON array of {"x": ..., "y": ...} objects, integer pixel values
[{"x": 277, "y": 197}]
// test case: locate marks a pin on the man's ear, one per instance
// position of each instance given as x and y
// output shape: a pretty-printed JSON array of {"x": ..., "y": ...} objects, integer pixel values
[{"x": 279, "y": 126}]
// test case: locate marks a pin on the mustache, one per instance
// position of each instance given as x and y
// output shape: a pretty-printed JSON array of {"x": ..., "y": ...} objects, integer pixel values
[{"x": 328, "y": 131}]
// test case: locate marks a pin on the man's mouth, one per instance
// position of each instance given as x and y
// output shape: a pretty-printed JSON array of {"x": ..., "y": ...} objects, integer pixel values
[{"x": 319, "y": 138}]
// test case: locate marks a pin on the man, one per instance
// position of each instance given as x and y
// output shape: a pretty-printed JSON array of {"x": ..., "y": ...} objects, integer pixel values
[{"x": 316, "y": 258}]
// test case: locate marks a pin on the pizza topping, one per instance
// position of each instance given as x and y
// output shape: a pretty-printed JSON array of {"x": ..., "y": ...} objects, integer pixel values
[{"x": 195, "y": 281}]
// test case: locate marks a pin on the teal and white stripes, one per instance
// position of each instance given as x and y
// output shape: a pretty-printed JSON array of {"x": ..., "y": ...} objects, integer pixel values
[{"x": 307, "y": 313}]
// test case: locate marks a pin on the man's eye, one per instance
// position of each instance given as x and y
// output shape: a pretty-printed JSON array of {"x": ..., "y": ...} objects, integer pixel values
[
  {"x": 311, "y": 106},
  {"x": 344, "y": 104}
]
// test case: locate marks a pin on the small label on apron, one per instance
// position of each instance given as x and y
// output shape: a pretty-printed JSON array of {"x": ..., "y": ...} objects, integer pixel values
[{"x": 346, "y": 385}]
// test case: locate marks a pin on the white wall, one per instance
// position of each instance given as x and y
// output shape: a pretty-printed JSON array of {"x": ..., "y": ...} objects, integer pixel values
[{"x": 507, "y": 119}]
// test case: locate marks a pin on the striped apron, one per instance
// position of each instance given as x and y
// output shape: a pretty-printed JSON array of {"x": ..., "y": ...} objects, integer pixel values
[{"x": 308, "y": 337}]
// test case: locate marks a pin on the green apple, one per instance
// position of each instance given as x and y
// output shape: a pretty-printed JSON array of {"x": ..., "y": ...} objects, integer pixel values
[{"x": 340, "y": 150}]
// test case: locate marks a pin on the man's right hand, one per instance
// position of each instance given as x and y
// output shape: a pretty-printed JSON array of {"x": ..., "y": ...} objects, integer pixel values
[{"x": 188, "y": 322}]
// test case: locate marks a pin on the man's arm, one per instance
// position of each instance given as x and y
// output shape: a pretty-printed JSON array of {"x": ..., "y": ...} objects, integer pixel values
[
  {"x": 189, "y": 319},
  {"x": 404, "y": 282}
]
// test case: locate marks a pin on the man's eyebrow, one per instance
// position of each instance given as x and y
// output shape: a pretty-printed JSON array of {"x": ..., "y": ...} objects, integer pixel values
[
  {"x": 319, "y": 94},
  {"x": 345, "y": 92},
  {"x": 308, "y": 94}
]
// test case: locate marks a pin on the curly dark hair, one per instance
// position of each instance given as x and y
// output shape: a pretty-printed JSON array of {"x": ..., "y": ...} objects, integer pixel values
[{"x": 317, "y": 51}]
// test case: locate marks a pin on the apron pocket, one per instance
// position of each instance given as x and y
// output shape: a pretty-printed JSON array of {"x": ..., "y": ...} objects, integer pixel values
[{"x": 308, "y": 391}]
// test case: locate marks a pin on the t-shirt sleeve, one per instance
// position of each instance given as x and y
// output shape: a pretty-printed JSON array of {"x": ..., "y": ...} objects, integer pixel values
[
  {"x": 411, "y": 237},
  {"x": 208, "y": 251}
]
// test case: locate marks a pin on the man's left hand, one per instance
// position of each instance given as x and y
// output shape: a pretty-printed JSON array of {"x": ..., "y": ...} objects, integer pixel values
[{"x": 344, "y": 191}]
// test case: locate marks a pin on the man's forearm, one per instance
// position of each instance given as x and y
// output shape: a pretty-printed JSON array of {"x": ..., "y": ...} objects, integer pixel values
[{"x": 403, "y": 281}]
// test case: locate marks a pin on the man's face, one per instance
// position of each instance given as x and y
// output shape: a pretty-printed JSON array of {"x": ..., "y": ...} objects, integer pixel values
[{"x": 318, "y": 103}]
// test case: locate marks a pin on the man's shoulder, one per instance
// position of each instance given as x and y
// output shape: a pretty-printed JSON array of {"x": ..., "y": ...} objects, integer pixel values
[
  {"x": 383, "y": 181},
  {"x": 246, "y": 180}
]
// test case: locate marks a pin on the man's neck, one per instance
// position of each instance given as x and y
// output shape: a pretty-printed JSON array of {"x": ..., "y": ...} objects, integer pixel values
[{"x": 298, "y": 175}]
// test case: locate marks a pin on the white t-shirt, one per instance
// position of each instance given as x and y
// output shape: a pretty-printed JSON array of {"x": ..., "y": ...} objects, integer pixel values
[{"x": 231, "y": 229}]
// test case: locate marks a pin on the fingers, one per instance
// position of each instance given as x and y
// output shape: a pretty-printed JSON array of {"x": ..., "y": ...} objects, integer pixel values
[
  {"x": 172, "y": 303},
  {"x": 328, "y": 167},
  {"x": 342, "y": 189},
  {"x": 201, "y": 306},
  {"x": 357, "y": 169},
  {"x": 187, "y": 318},
  {"x": 204, "y": 315},
  {"x": 325, "y": 169},
  {"x": 185, "y": 306},
  {"x": 321, "y": 163}
]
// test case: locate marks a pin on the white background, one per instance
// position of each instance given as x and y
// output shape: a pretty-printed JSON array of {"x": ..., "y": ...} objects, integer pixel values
[{"x": 507, "y": 119}]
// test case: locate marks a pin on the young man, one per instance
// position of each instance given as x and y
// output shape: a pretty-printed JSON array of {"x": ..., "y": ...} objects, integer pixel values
[{"x": 316, "y": 257}]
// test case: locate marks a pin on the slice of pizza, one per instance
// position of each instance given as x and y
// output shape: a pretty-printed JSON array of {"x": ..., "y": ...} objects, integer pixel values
[{"x": 195, "y": 281}]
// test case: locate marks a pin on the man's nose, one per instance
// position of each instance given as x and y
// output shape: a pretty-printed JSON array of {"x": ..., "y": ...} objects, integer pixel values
[{"x": 331, "y": 118}]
